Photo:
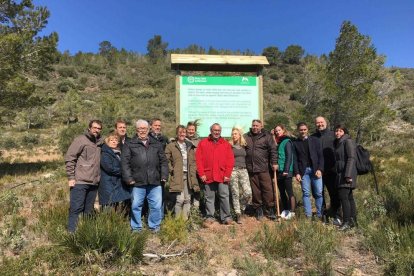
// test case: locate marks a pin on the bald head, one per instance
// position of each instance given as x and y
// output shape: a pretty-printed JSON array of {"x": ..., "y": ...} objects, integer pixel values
[{"x": 320, "y": 123}]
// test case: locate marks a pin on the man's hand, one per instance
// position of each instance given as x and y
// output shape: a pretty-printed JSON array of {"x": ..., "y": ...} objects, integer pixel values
[
  {"x": 71, "y": 183},
  {"x": 203, "y": 178},
  {"x": 298, "y": 178},
  {"x": 318, "y": 174},
  {"x": 226, "y": 179},
  {"x": 275, "y": 167}
]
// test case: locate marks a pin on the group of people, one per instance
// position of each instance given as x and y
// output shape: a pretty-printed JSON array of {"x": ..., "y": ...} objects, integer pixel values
[{"x": 135, "y": 174}]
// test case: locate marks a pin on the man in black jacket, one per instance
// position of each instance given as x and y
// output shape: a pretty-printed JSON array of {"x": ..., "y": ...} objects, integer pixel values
[
  {"x": 145, "y": 167},
  {"x": 308, "y": 169},
  {"x": 327, "y": 138},
  {"x": 155, "y": 132}
]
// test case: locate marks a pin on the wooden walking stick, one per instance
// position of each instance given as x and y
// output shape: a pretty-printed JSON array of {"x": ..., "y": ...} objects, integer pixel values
[{"x": 276, "y": 195}]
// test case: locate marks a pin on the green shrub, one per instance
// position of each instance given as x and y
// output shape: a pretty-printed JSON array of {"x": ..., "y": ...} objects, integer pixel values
[
  {"x": 250, "y": 267},
  {"x": 399, "y": 196},
  {"x": 105, "y": 238},
  {"x": 30, "y": 139},
  {"x": 53, "y": 221},
  {"x": 173, "y": 228},
  {"x": 9, "y": 203},
  {"x": 318, "y": 243},
  {"x": 9, "y": 143},
  {"x": 12, "y": 235},
  {"x": 65, "y": 85},
  {"x": 67, "y": 72},
  {"x": 67, "y": 135},
  {"x": 277, "y": 240}
]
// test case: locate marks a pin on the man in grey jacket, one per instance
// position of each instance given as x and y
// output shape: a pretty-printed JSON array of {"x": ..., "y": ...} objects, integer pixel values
[{"x": 82, "y": 162}]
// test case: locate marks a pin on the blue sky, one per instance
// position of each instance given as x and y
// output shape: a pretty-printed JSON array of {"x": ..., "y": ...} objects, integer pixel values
[{"x": 225, "y": 24}]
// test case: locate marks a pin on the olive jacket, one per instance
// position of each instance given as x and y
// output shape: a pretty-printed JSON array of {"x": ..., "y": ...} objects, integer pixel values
[{"x": 175, "y": 165}]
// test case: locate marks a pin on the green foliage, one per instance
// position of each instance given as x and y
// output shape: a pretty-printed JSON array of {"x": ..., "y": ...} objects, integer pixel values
[
  {"x": 53, "y": 221},
  {"x": 23, "y": 52},
  {"x": 249, "y": 267},
  {"x": 65, "y": 85},
  {"x": 67, "y": 135},
  {"x": 318, "y": 243},
  {"x": 173, "y": 228},
  {"x": 30, "y": 139},
  {"x": 277, "y": 240},
  {"x": 272, "y": 54},
  {"x": 157, "y": 49},
  {"x": 398, "y": 199},
  {"x": 67, "y": 72},
  {"x": 9, "y": 203},
  {"x": 105, "y": 238},
  {"x": 293, "y": 54},
  {"x": 69, "y": 109},
  {"x": 12, "y": 235}
]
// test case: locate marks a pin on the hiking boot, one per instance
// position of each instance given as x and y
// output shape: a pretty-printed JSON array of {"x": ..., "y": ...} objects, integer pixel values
[
  {"x": 337, "y": 222},
  {"x": 207, "y": 223},
  {"x": 353, "y": 223},
  {"x": 259, "y": 213},
  {"x": 228, "y": 221},
  {"x": 271, "y": 215},
  {"x": 239, "y": 218},
  {"x": 344, "y": 227}
]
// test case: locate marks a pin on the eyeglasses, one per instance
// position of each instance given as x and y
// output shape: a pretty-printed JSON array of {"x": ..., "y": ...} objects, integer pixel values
[
  {"x": 98, "y": 128},
  {"x": 303, "y": 129}
]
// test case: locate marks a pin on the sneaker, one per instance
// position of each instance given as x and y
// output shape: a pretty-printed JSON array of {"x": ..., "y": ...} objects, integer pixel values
[
  {"x": 284, "y": 213},
  {"x": 290, "y": 215},
  {"x": 344, "y": 227},
  {"x": 259, "y": 213},
  {"x": 337, "y": 222}
]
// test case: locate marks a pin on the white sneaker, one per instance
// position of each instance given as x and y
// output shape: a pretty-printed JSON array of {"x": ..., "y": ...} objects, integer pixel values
[
  {"x": 284, "y": 213},
  {"x": 291, "y": 215}
]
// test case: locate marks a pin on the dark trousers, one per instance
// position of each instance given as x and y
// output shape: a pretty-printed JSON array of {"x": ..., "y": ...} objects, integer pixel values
[
  {"x": 82, "y": 198},
  {"x": 348, "y": 204},
  {"x": 328, "y": 181},
  {"x": 286, "y": 193},
  {"x": 262, "y": 190}
]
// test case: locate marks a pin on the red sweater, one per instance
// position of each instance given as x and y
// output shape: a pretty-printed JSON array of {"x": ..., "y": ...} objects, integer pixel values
[{"x": 215, "y": 160}]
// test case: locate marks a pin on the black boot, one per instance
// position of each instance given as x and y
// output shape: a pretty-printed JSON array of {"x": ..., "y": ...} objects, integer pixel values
[
  {"x": 345, "y": 226},
  {"x": 272, "y": 213},
  {"x": 353, "y": 223},
  {"x": 259, "y": 213}
]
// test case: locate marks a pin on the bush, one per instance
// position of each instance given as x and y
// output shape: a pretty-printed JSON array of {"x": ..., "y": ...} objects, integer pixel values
[
  {"x": 52, "y": 222},
  {"x": 105, "y": 238},
  {"x": 67, "y": 72},
  {"x": 30, "y": 139},
  {"x": 68, "y": 134},
  {"x": 65, "y": 85},
  {"x": 277, "y": 240},
  {"x": 277, "y": 89},
  {"x": 9, "y": 203},
  {"x": 173, "y": 228},
  {"x": 398, "y": 198},
  {"x": 318, "y": 243}
]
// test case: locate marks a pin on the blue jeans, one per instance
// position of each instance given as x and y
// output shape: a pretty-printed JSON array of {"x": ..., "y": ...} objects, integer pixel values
[
  {"x": 153, "y": 193},
  {"x": 310, "y": 183},
  {"x": 82, "y": 198}
]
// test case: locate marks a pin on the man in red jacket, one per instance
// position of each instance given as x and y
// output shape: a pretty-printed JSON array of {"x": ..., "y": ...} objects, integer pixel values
[{"x": 215, "y": 161}]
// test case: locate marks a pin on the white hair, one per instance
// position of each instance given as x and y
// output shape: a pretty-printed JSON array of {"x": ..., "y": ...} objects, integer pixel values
[{"x": 141, "y": 122}]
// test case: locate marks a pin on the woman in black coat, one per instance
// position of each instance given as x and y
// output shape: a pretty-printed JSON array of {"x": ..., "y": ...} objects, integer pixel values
[
  {"x": 111, "y": 190},
  {"x": 346, "y": 175}
]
